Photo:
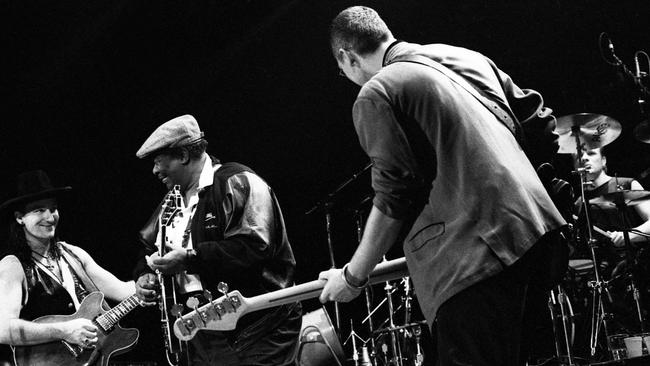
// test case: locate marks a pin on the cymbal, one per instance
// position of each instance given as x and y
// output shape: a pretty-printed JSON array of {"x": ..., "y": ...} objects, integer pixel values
[
  {"x": 596, "y": 130},
  {"x": 626, "y": 197},
  {"x": 642, "y": 132}
]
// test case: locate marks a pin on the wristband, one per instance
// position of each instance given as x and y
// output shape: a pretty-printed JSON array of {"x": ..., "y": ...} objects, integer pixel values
[{"x": 345, "y": 274}]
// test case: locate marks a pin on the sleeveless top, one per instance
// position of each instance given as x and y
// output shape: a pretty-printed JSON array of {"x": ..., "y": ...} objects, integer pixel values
[{"x": 46, "y": 296}]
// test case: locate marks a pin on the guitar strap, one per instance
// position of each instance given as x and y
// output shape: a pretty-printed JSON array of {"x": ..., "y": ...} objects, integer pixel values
[
  {"x": 79, "y": 270},
  {"x": 501, "y": 114}
]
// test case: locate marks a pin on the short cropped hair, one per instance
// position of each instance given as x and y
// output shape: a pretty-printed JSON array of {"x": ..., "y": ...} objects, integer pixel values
[{"x": 358, "y": 28}]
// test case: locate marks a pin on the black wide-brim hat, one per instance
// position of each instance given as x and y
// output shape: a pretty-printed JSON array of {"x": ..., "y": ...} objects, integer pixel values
[{"x": 32, "y": 186}]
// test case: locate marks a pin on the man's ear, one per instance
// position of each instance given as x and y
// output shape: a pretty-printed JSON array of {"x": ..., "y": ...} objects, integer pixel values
[
  {"x": 341, "y": 55},
  {"x": 19, "y": 217},
  {"x": 185, "y": 159}
]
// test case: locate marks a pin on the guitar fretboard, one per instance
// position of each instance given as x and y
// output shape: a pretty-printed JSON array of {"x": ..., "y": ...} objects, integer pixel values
[{"x": 113, "y": 316}]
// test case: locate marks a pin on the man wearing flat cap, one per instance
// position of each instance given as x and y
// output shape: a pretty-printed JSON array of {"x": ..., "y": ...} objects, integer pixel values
[{"x": 229, "y": 229}]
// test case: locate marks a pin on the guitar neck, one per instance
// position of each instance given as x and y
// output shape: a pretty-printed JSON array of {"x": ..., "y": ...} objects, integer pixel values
[
  {"x": 113, "y": 316},
  {"x": 385, "y": 271}
]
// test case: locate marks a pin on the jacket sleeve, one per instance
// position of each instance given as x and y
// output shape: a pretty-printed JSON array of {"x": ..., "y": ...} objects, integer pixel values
[{"x": 250, "y": 228}]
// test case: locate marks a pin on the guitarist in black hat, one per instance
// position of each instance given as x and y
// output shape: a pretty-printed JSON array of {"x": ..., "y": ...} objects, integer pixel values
[{"x": 41, "y": 275}]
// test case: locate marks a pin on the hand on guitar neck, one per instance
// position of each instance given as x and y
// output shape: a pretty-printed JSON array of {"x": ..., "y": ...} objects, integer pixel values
[{"x": 223, "y": 313}]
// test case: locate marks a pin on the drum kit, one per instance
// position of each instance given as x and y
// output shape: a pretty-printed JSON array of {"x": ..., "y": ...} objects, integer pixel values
[
  {"x": 393, "y": 343},
  {"x": 593, "y": 295}
]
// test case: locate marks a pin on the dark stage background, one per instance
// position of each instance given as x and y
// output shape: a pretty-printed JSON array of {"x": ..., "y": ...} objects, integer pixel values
[{"x": 85, "y": 82}]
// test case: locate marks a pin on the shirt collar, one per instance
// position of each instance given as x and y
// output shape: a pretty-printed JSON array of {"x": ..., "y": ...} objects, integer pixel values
[
  {"x": 207, "y": 174},
  {"x": 387, "y": 55}
]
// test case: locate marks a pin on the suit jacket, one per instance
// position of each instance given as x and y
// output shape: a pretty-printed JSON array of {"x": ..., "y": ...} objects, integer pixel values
[{"x": 443, "y": 162}]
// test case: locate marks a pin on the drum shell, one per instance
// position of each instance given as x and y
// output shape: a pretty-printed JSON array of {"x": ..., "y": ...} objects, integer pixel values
[{"x": 319, "y": 343}]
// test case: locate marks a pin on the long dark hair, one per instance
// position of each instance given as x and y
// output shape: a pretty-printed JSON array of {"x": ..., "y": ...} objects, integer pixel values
[{"x": 17, "y": 244}]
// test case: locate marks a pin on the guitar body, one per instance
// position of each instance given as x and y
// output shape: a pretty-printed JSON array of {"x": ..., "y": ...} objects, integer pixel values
[{"x": 117, "y": 340}]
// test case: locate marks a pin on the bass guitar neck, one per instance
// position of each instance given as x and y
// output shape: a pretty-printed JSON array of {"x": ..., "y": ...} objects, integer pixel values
[{"x": 224, "y": 312}]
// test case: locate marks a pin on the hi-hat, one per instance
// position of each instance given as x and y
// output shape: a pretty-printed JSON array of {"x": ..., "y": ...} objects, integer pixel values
[
  {"x": 595, "y": 130},
  {"x": 625, "y": 198},
  {"x": 642, "y": 132}
]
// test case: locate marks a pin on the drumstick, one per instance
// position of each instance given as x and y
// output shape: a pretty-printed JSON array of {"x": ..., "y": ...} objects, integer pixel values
[{"x": 598, "y": 230}]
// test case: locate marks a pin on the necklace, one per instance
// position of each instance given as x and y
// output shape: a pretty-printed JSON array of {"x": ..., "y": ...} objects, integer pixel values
[
  {"x": 47, "y": 258},
  {"x": 49, "y": 265}
]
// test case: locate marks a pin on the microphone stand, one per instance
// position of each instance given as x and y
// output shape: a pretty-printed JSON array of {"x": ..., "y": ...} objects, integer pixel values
[
  {"x": 326, "y": 204},
  {"x": 597, "y": 285}
]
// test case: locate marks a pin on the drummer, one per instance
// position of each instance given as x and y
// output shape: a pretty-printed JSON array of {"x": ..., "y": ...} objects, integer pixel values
[{"x": 600, "y": 183}]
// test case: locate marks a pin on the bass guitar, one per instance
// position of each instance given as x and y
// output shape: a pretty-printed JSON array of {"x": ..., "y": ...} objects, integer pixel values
[
  {"x": 223, "y": 313},
  {"x": 112, "y": 338}
]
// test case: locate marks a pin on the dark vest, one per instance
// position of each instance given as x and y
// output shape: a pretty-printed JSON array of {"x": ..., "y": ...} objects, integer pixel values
[{"x": 47, "y": 296}]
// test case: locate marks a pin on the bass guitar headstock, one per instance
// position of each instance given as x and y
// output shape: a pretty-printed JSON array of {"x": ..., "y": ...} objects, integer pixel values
[{"x": 221, "y": 314}]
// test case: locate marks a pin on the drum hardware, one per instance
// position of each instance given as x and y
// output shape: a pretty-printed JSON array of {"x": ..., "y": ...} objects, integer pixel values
[
  {"x": 397, "y": 354},
  {"x": 621, "y": 200},
  {"x": 391, "y": 352},
  {"x": 367, "y": 291},
  {"x": 371, "y": 313},
  {"x": 563, "y": 351},
  {"x": 361, "y": 358},
  {"x": 578, "y": 133},
  {"x": 326, "y": 204},
  {"x": 419, "y": 356}
]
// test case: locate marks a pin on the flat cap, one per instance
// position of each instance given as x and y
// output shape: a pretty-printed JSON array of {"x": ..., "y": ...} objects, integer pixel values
[{"x": 180, "y": 131}]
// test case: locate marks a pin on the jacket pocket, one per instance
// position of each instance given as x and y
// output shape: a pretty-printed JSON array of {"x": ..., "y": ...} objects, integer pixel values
[{"x": 425, "y": 235}]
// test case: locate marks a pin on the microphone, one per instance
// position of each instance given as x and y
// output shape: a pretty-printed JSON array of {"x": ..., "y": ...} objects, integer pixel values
[
  {"x": 610, "y": 47},
  {"x": 638, "y": 76}
]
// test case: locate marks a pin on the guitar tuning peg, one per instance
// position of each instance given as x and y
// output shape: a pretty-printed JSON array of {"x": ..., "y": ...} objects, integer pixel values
[
  {"x": 192, "y": 302},
  {"x": 208, "y": 295},
  {"x": 177, "y": 310},
  {"x": 223, "y": 288}
]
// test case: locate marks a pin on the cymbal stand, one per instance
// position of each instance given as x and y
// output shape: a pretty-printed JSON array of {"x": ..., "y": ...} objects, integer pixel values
[
  {"x": 598, "y": 286},
  {"x": 367, "y": 290},
  {"x": 561, "y": 299},
  {"x": 629, "y": 256},
  {"x": 397, "y": 357},
  {"x": 406, "y": 302}
]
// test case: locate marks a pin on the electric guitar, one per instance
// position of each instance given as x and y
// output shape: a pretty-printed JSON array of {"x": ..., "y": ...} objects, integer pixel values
[
  {"x": 112, "y": 338},
  {"x": 223, "y": 313},
  {"x": 169, "y": 305}
]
